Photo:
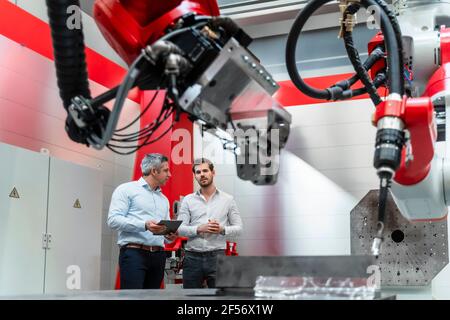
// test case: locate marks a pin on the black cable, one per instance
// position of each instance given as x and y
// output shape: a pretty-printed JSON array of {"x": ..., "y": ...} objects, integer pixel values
[
  {"x": 398, "y": 36},
  {"x": 374, "y": 56},
  {"x": 377, "y": 82},
  {"x": 353, "y": 55},
  {"x": 395, "y": 77},
  {"x": 391, "y": 40},
  {"x": 393, "y": 44},
  {"x": 291, "y": 45},
  {"x": 382, "y": 199},
  {"x": 164, "y": 109},
  {"x": 140, "y": 114},
  {"x": 167, "y": 111},
  {"x": 111, "y": 147},
  {"x": 146, "y": 141},
  {"x": 68, "y": 48},
  {"x": 144, "y": 133}
]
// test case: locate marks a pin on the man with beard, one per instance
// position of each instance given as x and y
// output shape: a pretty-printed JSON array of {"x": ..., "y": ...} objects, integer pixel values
[{"x": 209, "y": 216}]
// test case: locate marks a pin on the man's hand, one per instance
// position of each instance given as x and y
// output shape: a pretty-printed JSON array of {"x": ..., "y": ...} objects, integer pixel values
[
  {"x": 214, "y": 226},
  {"x": 211, "y": 227},
  {"x": 171, "y": 236},
  {"x": 155, "y": 228}
]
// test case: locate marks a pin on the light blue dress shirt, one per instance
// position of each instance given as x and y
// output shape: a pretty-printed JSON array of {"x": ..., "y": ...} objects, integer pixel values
[{"x": 132, "y": 204}]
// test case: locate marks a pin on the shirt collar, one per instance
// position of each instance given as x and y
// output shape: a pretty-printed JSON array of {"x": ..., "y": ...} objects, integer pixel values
[
  {"x": 144, "y": 184},
  {"x": 198, "y": 193}
]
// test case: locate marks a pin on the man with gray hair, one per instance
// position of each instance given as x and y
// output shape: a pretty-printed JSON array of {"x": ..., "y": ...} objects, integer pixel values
[{"x": 136, "y": 208}]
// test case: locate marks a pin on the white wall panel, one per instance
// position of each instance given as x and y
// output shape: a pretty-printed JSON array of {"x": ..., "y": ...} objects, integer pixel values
[
  {"x": 107, "y": 193},
  {"x": 295, "y": 205},
  {"x": 293, "y": 227},
  {"x": 76, "y": 232},
  {"x": 22, "y": 220},
  {"x": 106, "y": 248},
  {"x": 106, "y": 231},
  {"x": 105, "y": 270},
  {"x": 225, "y": 183},
  {"x": 225, "y": 169},
  {"x": 128, "y": 160},
  {"x": 121, "y": 174},
  {"x": 358, "y": 156},
  {"x": 296, "y": 177},
  {"x": 114, "y": 264},
  {"x": 353, "y": 178},
  {"x": 336, "y": 135},
  {"x": 60, "y": 152},
  {"x": 32, "y": 116},
  {"x": 331, "y": 113}
]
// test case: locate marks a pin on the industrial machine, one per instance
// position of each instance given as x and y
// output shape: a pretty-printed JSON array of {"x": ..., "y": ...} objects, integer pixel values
[
  {"x": 200, "y": 59},
  {"x": 203, "y": 62},
  {"x": 411, "y": 58}
]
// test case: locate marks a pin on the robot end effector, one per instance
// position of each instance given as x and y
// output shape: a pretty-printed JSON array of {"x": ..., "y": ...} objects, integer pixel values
[
  {"x": 205, "y": 67},
  {"x": 406, "y": 125}
]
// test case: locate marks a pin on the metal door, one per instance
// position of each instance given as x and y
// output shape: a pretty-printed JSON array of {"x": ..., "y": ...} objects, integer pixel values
[
  {"x": 74, "y": 228},
  {"x": 23, "y": 209}
]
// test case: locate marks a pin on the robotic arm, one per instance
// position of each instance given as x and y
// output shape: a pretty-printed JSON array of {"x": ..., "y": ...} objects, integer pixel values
[
  {"x": 203, "y": 62},
  {"x": 415, "y": 67},
  {"x": 187, "y": 49}
]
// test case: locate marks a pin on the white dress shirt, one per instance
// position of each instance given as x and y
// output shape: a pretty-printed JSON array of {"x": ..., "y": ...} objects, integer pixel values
[{"x": 195, "y": 210}]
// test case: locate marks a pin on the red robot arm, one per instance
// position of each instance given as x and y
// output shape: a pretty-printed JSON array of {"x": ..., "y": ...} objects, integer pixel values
[
  {"x": 420, "y": 183},
  {"x": 130, "y": 25}
]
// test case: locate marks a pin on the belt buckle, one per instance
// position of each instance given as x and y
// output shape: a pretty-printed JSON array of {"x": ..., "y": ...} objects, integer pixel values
[{"x": 153, "y": 249}]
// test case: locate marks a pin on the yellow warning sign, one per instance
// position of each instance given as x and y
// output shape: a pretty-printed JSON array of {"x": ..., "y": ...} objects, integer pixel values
[
  {"x": 14, "y": 193},
  {"x": 77, "y": 204}
]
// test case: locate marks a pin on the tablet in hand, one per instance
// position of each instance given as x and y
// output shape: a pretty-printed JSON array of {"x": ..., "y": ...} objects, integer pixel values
[{"x": 171, "y": 225}]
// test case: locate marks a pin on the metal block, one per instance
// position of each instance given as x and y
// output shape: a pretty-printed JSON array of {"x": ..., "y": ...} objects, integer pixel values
[
  {"x": 241, "y": 271},
  {"x": 412, "y": 253}
]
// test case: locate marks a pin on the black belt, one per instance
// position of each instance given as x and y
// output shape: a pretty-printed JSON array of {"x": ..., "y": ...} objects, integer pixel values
[
  {"x": 144, "y": 247},
  {"x": 205, "y": 253}
]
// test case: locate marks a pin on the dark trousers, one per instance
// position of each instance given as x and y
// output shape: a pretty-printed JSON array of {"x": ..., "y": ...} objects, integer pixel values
[
  {"x": 141, "y": 269},
  {"x": 198, "y": 267}
]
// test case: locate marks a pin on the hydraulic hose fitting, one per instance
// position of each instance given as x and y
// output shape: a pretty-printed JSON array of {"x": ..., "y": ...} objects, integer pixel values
[{"x": 390, "y": 140}]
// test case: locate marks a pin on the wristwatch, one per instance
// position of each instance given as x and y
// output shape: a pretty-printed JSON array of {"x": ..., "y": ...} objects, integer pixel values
[{"x": 222, "y": 232}]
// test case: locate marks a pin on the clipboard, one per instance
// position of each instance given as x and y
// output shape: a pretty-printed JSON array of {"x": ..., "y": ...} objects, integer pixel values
[{"x": 171, "y": 225}]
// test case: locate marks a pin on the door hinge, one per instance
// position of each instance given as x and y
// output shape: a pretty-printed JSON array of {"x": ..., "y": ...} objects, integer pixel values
[{"x": 46, "y": 241}]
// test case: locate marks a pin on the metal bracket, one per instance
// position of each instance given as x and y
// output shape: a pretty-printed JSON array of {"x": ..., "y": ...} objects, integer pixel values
[
  {"x": 80, "y": 110},
  {"x": 349, "y": 21}
]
